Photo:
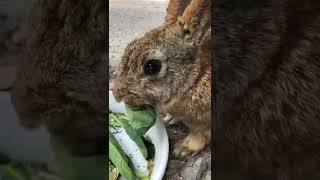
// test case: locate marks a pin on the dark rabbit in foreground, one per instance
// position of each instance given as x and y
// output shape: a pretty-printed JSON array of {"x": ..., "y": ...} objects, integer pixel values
[
  {"x": 62, "y": 82},
  {"x": 170, "y": 68},
  {"x": 267, "y": 58}
]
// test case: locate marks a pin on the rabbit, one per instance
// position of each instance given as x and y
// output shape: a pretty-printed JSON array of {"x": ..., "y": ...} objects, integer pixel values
[
  {"x": 170, "y": 69},
  {"x": 267, "y": 74},
  {"x": 61, "y": 84}
]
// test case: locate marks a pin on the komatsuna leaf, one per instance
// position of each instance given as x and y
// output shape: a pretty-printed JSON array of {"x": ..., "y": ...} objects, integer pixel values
[
  {"x": 119, "y": 159},
  {"x": 141, "y": 118},
  {"x": 134, "y": 135},
  {"x": 113, "y": 122}
]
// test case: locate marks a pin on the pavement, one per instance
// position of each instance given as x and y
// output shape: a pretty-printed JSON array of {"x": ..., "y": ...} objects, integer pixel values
[{"x": 130, "y": 19}]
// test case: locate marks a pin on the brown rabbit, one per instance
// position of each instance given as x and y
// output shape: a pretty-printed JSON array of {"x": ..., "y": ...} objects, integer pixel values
[
  {"x": 170, "y": 69},
  {"x": 267, "y": 62},
  {"x": 62, "y": 82}
]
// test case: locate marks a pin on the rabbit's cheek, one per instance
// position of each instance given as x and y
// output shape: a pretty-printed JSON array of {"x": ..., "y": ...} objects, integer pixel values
[{"x": 119, "y": 91}]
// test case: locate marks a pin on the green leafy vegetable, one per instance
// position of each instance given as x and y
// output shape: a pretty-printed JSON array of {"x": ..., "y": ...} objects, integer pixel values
[
  {"x": 119, "y": 159},
  {"x": 141, "y": 118},
  {"x": 137, "y": 138},
  {"x": 136, "y": 122},
  {"x": 113, "y": 122}
]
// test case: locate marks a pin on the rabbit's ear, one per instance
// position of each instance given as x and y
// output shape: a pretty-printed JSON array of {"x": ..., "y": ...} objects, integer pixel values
[
  {"x": 175, "y": 9},
  {"x": 7, "y": 76},
  {"x": 196, "y": 18}
]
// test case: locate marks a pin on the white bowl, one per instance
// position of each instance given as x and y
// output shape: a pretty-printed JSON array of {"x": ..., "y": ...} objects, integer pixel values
[{"x": 158, "y": 137}]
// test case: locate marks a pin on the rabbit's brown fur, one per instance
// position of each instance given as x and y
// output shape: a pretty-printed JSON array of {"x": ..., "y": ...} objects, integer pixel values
[
  {"x": 267, "y": 61},
  {"x": 62, "y": 82},
  {"x": 183, "y": 86}
]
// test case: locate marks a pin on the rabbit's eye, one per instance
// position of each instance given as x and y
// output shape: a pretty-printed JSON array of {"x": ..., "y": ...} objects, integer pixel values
[{"x": 152, "y": 66}]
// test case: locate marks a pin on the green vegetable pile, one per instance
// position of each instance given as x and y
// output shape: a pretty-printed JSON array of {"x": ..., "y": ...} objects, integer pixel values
[{"x": 136, "y": 122}]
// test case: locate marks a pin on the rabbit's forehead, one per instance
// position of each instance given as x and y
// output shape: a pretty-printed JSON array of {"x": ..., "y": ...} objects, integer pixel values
[{"x": 155, "y": 54}]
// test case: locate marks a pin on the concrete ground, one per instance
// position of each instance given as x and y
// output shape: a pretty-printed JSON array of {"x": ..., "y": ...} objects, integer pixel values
[{"x": 130, "y": 19}]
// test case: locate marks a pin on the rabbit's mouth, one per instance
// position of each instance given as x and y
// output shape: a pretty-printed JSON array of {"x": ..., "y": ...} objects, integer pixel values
[
  {"x": 122, "y": 93},
  {"x": 134, "y": 100},
  {"x": 130, "y": 99}
]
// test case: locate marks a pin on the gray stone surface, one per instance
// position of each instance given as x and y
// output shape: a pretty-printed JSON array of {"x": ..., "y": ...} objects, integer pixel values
[
  {"x": 194, "y": 170},
  {"x": 207, "y": 176}
]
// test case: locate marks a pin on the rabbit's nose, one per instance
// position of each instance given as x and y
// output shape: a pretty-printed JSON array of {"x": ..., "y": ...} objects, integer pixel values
[{"x": 119, "y": 91}]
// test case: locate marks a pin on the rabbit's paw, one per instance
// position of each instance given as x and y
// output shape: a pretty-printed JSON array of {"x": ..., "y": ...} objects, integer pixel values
[{"x": 193, "y": 143}]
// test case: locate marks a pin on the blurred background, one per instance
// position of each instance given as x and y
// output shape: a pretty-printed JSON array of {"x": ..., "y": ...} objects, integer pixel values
[
  {"x": 13, "y": 35},
  {"x": 130, "y": 19},
  {"x": 15, "y": 141}
]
